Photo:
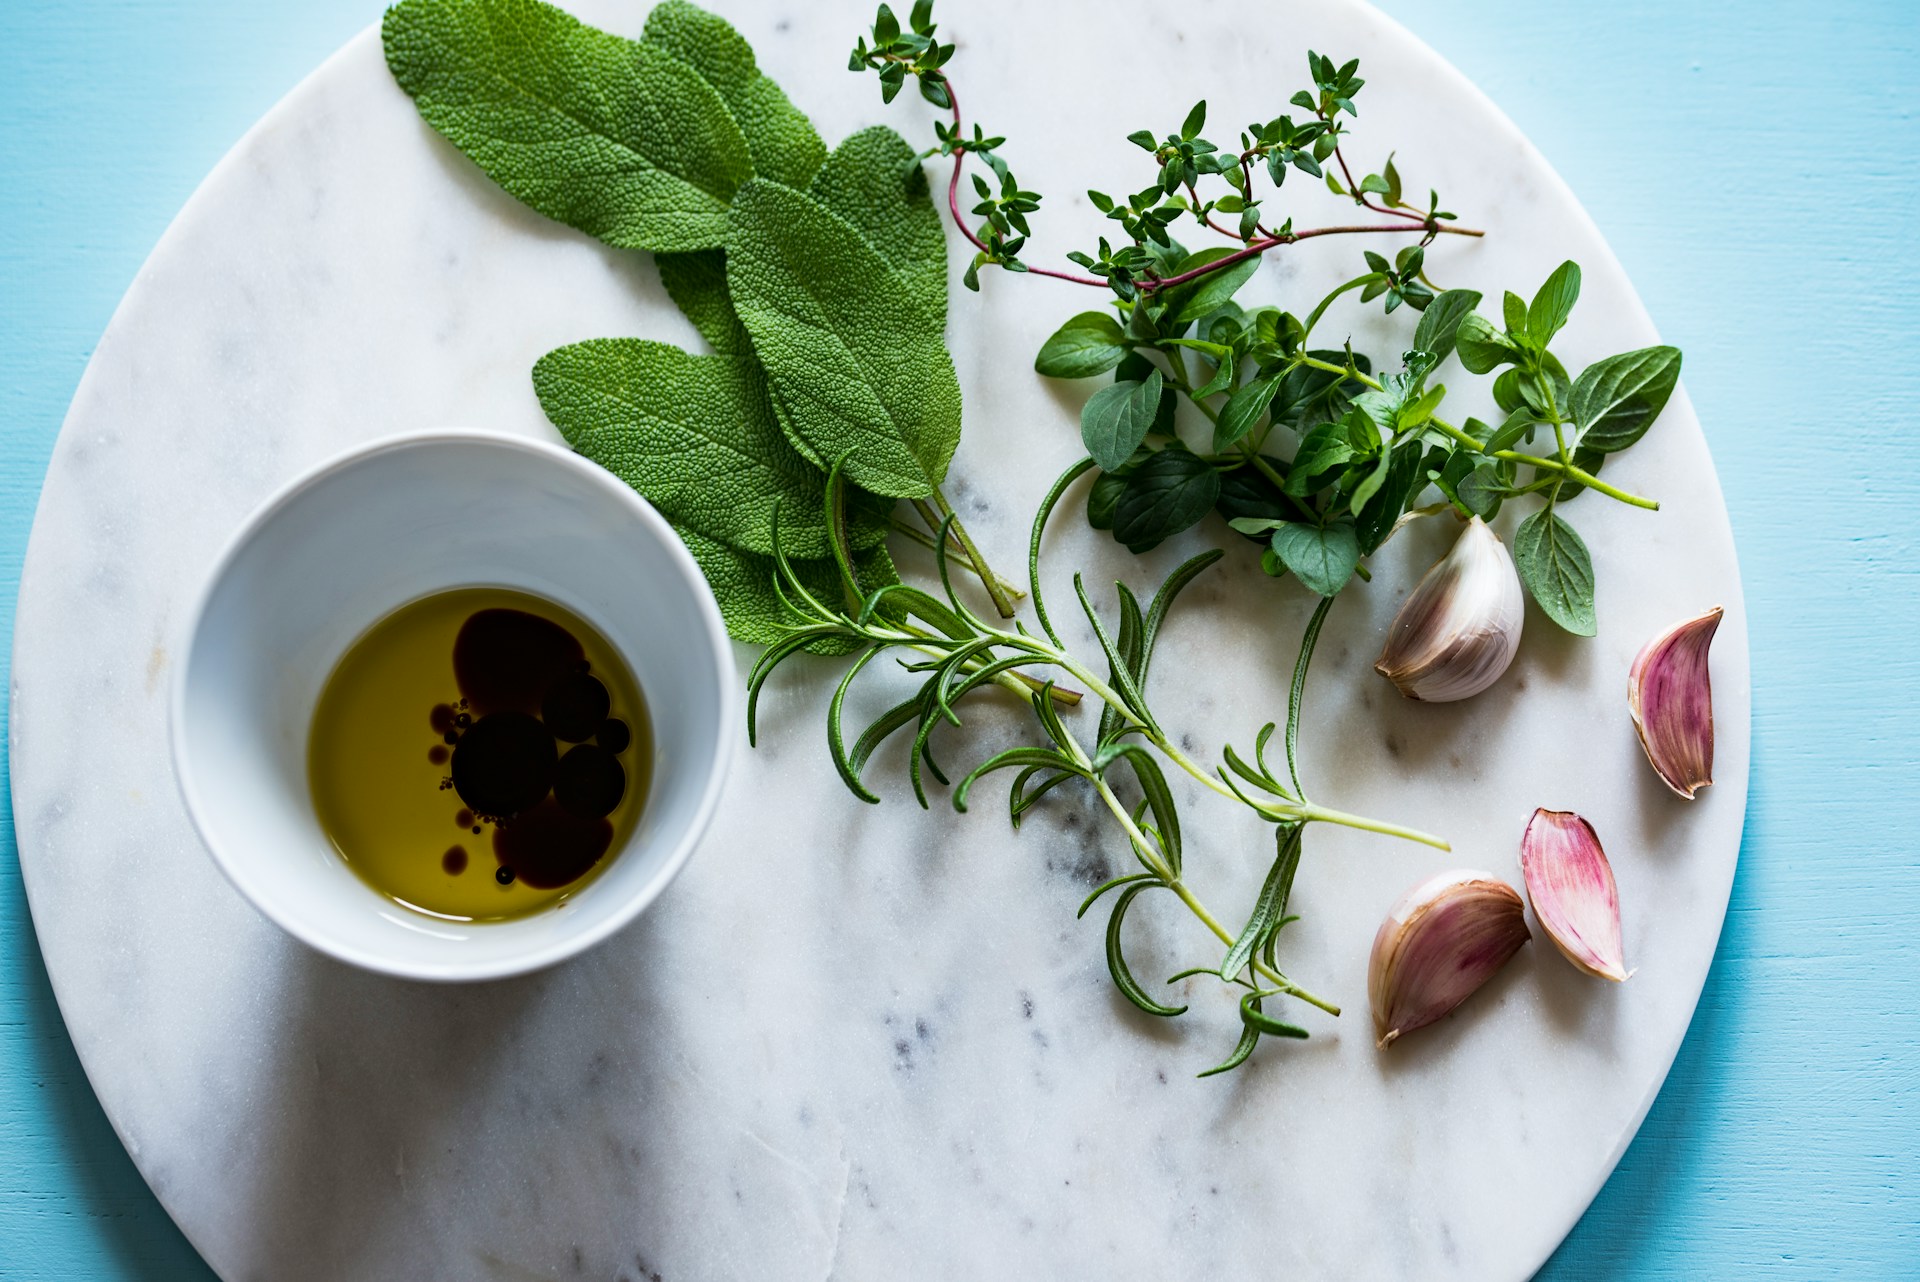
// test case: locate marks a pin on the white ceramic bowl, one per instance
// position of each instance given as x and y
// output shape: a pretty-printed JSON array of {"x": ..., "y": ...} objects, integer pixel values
[{"x": 368, "y": 532}]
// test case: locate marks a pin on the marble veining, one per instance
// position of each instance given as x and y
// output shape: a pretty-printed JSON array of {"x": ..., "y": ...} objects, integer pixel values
[{"x": 851, "y": 1042}]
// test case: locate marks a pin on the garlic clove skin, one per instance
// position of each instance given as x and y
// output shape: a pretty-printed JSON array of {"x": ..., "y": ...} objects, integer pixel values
[
  {"x": 1670, "y": 694},
  {"x": 1571, "y": 885},
  {"x": 1460, "y": 628},
  {"x": 1443, "y": 939}
]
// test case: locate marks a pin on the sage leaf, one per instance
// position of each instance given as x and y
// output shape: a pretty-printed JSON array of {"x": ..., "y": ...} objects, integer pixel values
[
  {"x": 614, "y": 137},
  {"x": 1089, "y": 344},
  {"x": 1440, "y": 323},
  {"x": 697, "y": 284},
  {"x": 1554, "y": 564},
  {"x": 1615, "y": 401},
  {"x": 1117, "y": 418},
  {"x": 742, "y": 583},
  {"x": 781, "y": 141},
  {"x": 1166, "y": 493},
  {"x": 696, "y": 436},
  {"x": 874, "y": 181},
  {"x": 1321, "y": 557},
  {"x": 848, "y": 353}
]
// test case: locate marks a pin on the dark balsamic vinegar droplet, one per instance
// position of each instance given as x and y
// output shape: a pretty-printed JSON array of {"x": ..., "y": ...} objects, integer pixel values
[
  {"x": 549, "y": 847},
  {"x": 575, "y": 707},
  {"x": 507, "y": 660},
  {"x": 589, "y": 781},
  {"x": 438, "y": 754},
  {"x": 614, "y": 735},
  {"x": 454, "y": 861},
  {"x": 503, "y": 875},
  {"x": 441, "y": 718},
  {"x": 505, "y": 764},
  {"x": 464, "y": 819}
]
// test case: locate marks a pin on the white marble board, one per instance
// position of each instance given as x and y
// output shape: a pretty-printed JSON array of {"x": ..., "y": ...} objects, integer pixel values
[{"x": 853, "y": 1042}]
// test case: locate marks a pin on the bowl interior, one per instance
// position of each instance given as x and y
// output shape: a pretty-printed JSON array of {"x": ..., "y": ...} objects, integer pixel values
[{"x": 356, "y": 540}]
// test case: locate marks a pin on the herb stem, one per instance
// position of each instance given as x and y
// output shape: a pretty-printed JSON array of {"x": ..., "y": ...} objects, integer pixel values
[
  {"x": 988, "y": 579},
  {"x": 927, "y": 541},
  {"x": 1568, "y": 470},
  {"x": 1158, "y": 867},
  {"x": 1321, "y": 814}
]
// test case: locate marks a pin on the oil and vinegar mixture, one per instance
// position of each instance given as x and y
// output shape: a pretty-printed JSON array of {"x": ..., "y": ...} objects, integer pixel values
[{"x": 477, "y": 753}]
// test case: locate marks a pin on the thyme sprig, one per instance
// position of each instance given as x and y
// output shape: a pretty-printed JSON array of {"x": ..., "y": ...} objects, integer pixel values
[
  {"x": 1183, "y": 161},
  {"x": 957, "y": 653}
]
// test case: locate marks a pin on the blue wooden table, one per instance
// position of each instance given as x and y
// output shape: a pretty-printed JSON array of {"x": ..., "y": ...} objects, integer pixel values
[{"x": 1756, "y": 166}]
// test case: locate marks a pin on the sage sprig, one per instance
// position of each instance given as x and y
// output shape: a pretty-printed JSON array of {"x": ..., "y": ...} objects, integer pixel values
[{"x": 823, "y": 274}]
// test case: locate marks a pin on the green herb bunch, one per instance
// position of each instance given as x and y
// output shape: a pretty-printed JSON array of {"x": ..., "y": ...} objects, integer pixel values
[
  {"x": 1311, "y": 451},
  {"x": 958, "y": 654},
  {"x": 817, "y": 277}
]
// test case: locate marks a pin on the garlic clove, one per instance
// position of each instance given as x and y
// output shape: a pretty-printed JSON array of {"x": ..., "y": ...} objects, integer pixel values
[
  {"x": 1443, "y": 939},
  {"x": 1571, "y": 885},
  {"x": 1460, "y": 628},
  {"x": 1670, "y": 693}
]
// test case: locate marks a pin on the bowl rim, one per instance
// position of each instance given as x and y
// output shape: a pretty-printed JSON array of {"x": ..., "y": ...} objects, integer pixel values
[{"x": 715, "y": 767}]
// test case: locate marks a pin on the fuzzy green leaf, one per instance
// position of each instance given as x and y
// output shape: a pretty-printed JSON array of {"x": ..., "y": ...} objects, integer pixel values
[
  {"x": 742, "y": 583},
  {"x": 696, "y": 436},
  {"x": 850, "y": 356},
  {"x": 615, "y": 137},
  {"x": 780, "y": 139},
  {"x": 874, "y": 181},
  {"x": 1195, "y": 298},
  {"x": 697, "y": 284}
]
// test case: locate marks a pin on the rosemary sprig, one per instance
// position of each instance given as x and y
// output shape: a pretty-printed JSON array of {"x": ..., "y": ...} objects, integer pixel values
[{"x": 957, "y": 654}]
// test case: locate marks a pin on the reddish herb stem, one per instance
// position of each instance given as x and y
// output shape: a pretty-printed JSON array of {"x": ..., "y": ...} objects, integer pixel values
[{"x": 1416, "y": 222}]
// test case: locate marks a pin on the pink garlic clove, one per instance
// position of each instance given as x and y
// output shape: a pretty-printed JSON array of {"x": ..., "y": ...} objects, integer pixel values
[
  {"x": 1571, "y": 885},
  {"x": 1443, "y": 939},
  {"x": 1460, "y": 628},
  {"x": 1670, "y": 694}
]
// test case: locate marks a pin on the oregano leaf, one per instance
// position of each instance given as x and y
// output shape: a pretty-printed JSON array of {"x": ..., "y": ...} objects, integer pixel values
[{"x": 1554, "y": 564}]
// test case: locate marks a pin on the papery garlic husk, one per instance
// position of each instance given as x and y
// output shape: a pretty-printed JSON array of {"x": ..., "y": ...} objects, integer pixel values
[
  {"x": 1571, "y": 885},
  {"x": 1461, "y": 627},
  {"x": 1443, "y": 939},
  {"x": 1670, "y": 695}
]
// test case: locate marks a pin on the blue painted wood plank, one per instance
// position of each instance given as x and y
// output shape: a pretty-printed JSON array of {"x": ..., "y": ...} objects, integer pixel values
[{"x": 1757, "y": 168}]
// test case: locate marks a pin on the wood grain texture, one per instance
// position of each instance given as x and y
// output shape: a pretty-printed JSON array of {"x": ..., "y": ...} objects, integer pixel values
[{"x": 1756, "y": 168}]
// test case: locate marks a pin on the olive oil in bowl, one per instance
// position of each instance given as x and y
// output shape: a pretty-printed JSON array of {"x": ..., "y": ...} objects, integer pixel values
[{"x": 479, "y": 754}]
